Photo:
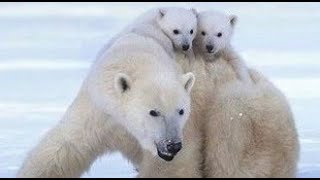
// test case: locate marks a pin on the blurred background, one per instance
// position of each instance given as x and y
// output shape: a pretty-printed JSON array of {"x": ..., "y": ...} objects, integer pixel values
[{"x": 46, "y": 50}]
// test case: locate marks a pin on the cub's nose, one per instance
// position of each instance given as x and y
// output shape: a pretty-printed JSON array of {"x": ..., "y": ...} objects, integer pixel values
[
  {"x": 209, "y": 48},
  {"x": 174, "y": 148},
  {"x": 185, "y": 47}
]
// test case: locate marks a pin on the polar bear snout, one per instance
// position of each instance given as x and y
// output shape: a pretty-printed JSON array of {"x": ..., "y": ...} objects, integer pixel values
[
  {"x": 168, "y": 149},
  {"x": 209, "y": 48},
  {"x": 185, "y": 47}
]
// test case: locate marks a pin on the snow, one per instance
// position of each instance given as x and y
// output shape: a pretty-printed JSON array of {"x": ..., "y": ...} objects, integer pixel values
[{"x": 46, "y": 50}]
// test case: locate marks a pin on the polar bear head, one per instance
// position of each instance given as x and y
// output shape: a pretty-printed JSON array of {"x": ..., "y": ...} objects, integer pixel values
[
  {"x": 155, "y": 110},
  {"x": 215, "y": 30},
  {"x": 179, "y": 24}
]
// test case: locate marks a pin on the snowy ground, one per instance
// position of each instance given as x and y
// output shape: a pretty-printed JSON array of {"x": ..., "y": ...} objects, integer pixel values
[{"x": 47, "y": 48}]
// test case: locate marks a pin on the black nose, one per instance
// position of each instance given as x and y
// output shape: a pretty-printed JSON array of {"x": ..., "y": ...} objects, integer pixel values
[
  {"x": 209, "y": 47},
  {"x": 185, "y": 47},
  {"x": 174, "y": 148}
]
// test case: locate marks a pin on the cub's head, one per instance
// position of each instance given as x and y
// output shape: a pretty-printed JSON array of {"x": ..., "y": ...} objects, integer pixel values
[
  {"x": 180, "y": 25},
  {"x": 155, "y": 110},
  {"x": 214, "y": 31}
]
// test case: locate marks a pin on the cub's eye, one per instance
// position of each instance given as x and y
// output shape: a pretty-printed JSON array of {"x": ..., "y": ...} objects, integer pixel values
[
  {"x": 154, "y": 113},
  {"x": 181, "y": 112},
  {"x": 203, "y": 33},
  {"x": 191, "y": 32},
  {"x": 219, "y": 34},
  {"x": 176, "y": 31}
]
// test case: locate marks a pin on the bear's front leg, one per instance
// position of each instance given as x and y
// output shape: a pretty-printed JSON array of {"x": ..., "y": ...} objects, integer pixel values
[
  {"x": 68, "y": 150},
  {"x": 71, "y": 146}
]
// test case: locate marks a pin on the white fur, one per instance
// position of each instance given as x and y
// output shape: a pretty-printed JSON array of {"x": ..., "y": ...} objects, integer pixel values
[{"x": 212, "y": 23}]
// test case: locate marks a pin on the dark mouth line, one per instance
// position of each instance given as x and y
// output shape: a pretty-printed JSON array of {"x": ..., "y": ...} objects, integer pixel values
[{"x": 166, "y": 156}]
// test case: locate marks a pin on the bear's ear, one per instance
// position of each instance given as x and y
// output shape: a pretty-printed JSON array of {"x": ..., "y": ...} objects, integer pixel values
[
  {"x": 122, "y": 83},
  {"x": 233, "y": 20},
  {"x": 162, "y": 12},
  {"x": 195, "y": 12},
  {"x": 188, "y": 80}
]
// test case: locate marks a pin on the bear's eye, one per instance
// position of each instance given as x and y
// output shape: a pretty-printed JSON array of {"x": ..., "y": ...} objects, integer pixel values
[
  {"x": 203, "y": 33},
  {"x": 154, "y": 113},
  {"x": 181, "y": 112},
  {"x": 176, "y": 31},
  {"x": 191, "y": 32},
  {"x": 219, "y": 34}
]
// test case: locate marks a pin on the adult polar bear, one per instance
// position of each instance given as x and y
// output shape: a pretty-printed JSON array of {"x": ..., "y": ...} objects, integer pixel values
[
  {"x": 248, "y": 126},
  {"x": 170, "y": 31},
  {"x": 134, "y": 97}
]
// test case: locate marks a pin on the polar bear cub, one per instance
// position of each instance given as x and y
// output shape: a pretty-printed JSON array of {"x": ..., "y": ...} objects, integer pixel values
[
  {"x": 174, "y": 28},
  {"x": 215, "y": 31}
]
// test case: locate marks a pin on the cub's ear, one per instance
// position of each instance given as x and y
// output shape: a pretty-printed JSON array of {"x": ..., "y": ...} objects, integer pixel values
[
  {"x": 195, "y": 12},
  {"x": 162, "y": 12},
  {"x": 122, "y": 83},
  {"x": 233, "y": 20},
  {"x": 188, "y": 80}
]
